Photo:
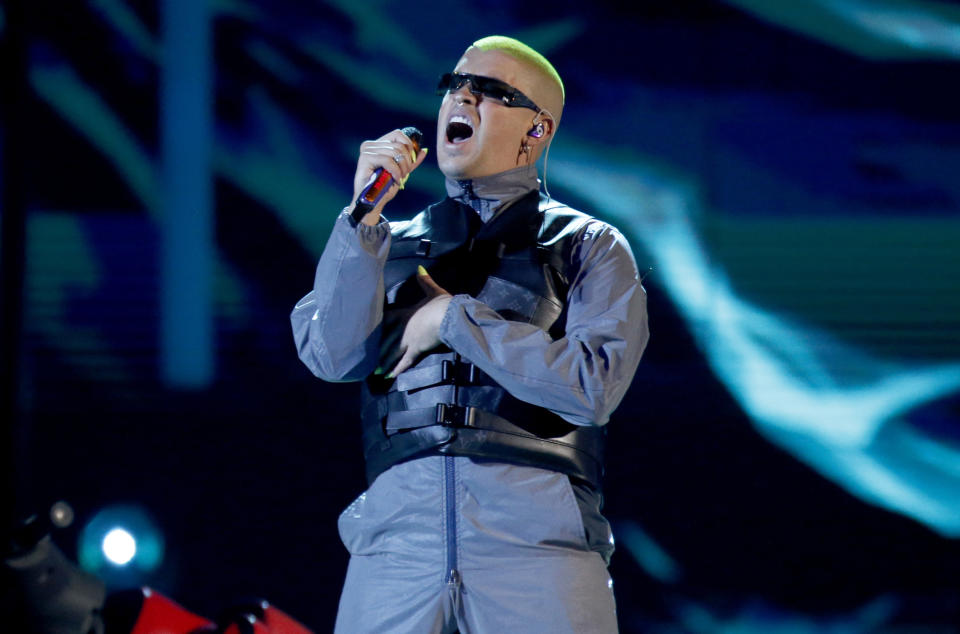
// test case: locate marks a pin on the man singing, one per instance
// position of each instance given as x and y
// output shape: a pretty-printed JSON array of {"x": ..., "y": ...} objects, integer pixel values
[{"x": 495, "y": 333}]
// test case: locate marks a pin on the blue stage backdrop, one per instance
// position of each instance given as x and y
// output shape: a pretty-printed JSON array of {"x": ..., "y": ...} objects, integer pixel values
[{"x": 788, "y": 457}]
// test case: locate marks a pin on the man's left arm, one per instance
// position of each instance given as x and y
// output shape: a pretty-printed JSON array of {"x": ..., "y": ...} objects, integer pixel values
[{"x": 583, "y": 376}]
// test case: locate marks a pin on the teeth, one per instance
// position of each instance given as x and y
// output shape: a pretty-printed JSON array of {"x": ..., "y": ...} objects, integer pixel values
[{"x": 459, "y": 128}]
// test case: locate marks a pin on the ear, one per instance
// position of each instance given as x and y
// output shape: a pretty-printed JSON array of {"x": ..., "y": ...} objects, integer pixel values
[{"x": 541, "y": 130}]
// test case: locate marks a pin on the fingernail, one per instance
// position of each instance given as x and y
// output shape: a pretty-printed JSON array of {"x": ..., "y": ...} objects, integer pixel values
[
  {"x": 421, "y": 270},
  {"x": 404, "y": 181},
  {"x": 390, "y": 376},
  {"x": 413, "y": 156}
]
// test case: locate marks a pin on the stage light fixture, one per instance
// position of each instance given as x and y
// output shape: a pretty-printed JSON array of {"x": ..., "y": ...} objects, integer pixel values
[{"x": 121, "y": 543}]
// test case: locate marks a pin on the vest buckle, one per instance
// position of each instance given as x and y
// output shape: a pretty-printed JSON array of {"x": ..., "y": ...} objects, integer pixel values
[
  {"x": 457, "y": 372},
  {"x": 455, "y": 415}
]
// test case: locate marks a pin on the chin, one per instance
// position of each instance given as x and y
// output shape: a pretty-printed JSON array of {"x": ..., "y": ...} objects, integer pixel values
[{"x": 455, "y": 167}]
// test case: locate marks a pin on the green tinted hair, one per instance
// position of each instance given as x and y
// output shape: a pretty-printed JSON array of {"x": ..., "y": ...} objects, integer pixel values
[{"x": 522, "y": 52}]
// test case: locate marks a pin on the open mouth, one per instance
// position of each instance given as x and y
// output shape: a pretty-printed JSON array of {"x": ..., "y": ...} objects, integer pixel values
[{"x": 459, "y": 129}]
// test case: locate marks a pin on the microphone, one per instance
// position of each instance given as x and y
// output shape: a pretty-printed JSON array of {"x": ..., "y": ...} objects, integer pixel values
[{"x": 380, "y": 181}]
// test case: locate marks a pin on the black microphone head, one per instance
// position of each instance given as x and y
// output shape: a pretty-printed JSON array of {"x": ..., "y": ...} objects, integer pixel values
[{"x": 415, "y": 135}]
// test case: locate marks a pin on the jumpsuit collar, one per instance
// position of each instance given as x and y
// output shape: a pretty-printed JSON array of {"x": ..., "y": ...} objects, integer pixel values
[{"x": 489, "y": 194}]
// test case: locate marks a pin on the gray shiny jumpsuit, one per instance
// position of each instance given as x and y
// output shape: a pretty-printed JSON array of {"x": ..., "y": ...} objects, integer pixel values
[{"x": 441, "y": 543}]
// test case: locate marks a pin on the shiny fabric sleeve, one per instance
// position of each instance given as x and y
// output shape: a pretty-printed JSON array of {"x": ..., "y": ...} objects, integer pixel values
[
  {"x": 336, "y": 327},
  {"x": 583, "y": 376}
]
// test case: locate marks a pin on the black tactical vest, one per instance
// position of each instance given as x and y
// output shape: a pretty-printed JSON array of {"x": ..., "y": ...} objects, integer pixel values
[{"x": 518, "y": 264}]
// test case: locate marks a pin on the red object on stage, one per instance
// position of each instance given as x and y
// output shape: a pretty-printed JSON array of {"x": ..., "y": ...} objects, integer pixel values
[{"x": 160, "y": 615}]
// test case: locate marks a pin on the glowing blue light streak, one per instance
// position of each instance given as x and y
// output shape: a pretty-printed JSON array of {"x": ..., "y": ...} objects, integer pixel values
[
  {"x": 761, "y": 617},
  {"x": 88, "y": 112},
  {"x": 879, "y": 29},
  {"x": 648, "y": 554},
  {"x": 129, "y": 26},
  {"x": 186, "y": 333},
  {"x": 834, "y": 407}
]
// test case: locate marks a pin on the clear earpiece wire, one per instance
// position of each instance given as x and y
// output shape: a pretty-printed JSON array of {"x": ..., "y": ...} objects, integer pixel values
[{"x": 546, "y": 153}]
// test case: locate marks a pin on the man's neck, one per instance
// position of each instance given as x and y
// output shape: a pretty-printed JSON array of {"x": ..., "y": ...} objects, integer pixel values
[{"x": 488, "y": 195}]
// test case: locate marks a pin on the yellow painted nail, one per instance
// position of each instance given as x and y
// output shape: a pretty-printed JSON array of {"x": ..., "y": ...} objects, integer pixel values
[{"x": 421, "y": 270}]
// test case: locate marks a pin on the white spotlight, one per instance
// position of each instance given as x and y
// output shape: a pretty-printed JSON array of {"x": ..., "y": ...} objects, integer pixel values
[{"x": 119, "y": 546}]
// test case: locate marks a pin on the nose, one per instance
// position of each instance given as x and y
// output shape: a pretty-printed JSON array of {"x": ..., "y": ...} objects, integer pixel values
[{"x": 463, "y": 95}]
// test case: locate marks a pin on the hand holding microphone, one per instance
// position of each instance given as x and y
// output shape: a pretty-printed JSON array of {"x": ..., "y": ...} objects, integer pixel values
[{"x": 382, "y": 169}]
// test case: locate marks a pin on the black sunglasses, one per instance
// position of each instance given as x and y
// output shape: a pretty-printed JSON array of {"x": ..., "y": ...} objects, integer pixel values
[{"x": 488, "y": 87}]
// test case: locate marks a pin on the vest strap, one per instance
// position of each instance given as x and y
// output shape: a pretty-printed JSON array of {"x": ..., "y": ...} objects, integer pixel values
[
  {"x": 441, "y": 414},
  {"x": 578, "y": 453},
  {"x": 447, "y": 371}
]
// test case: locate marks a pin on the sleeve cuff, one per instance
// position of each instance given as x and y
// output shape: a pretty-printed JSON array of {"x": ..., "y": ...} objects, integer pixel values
[
  {"x": 371, "y": 239},
  {"x": 448, "y": 326}
]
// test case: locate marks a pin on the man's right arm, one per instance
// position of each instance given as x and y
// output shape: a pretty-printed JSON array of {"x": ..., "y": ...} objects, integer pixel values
[{"x": 336, "y": 327}]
